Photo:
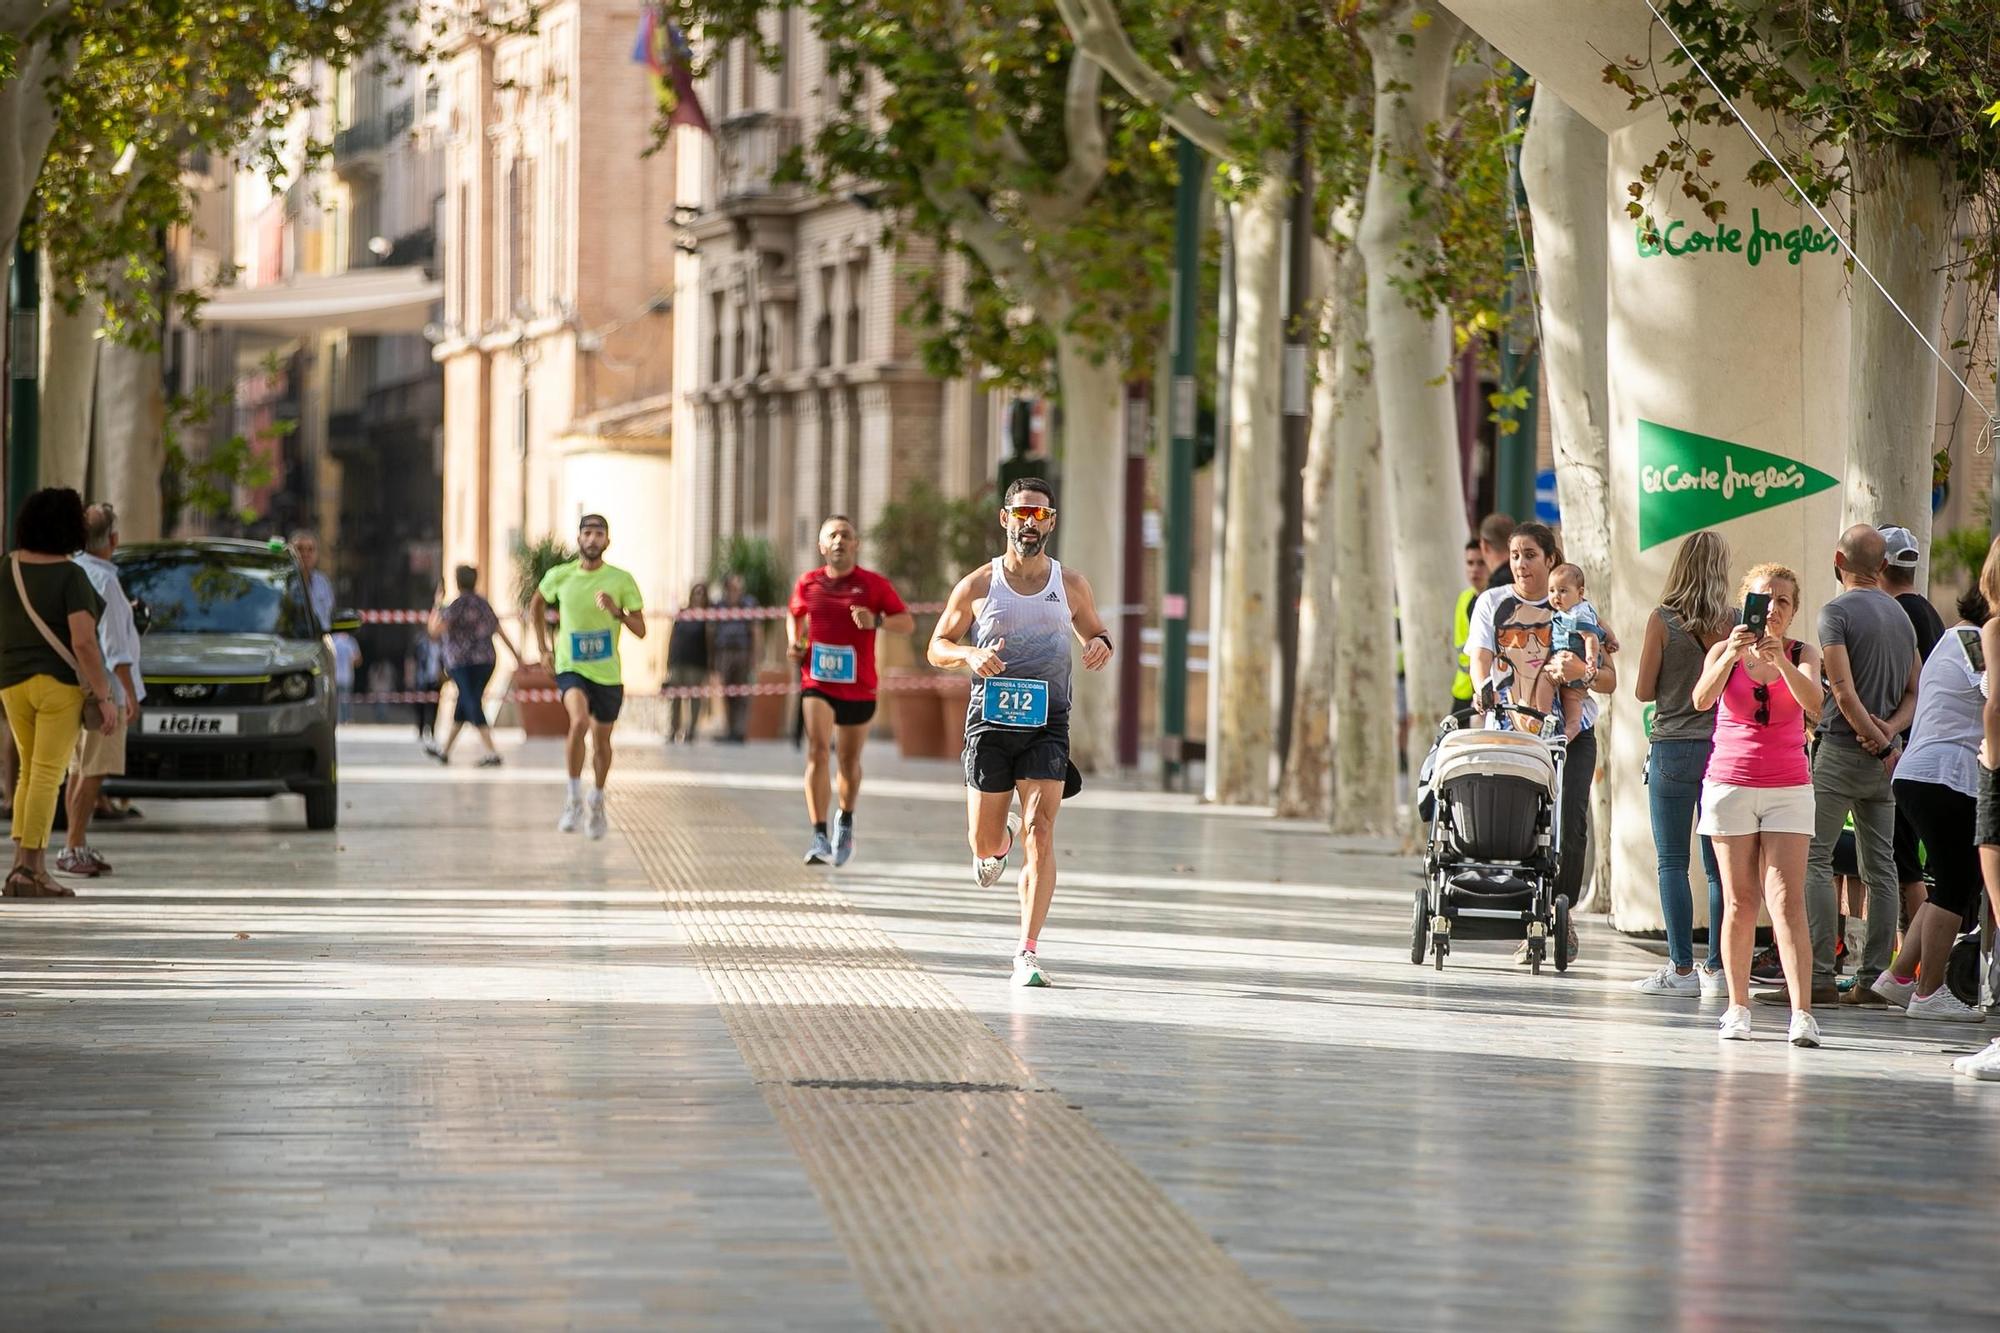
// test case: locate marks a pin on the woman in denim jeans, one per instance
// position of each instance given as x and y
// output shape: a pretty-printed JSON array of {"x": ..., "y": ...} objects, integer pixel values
[{"x": 1693, "y": 615}]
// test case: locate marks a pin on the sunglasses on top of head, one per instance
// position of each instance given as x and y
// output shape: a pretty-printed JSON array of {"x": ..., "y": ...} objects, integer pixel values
[{"x": 1024, "y": 513}]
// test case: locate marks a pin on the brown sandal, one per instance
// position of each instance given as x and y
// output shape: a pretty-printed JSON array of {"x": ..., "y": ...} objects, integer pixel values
[{"x": 27, "y": 884}]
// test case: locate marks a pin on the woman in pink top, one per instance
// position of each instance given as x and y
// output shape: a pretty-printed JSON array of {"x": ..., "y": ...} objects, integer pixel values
[{"x": 1757, "y": 797}]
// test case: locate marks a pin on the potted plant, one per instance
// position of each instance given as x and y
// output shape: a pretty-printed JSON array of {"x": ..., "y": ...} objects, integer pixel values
[
  {"x": 923, "y": 541},
  {"x": 532, "y": 560},
  {"x": 755, "y": 561}
]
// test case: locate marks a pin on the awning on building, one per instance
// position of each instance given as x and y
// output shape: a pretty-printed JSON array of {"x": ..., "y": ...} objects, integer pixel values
[{"x": 368, "y": 300}]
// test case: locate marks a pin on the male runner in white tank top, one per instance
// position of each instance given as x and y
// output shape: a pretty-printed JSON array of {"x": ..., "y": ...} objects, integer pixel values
[{"x": 1022, "y": 610}]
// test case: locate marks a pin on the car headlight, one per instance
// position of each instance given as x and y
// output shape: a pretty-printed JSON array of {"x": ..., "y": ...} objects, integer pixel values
[{"x": 289, "y": 688}]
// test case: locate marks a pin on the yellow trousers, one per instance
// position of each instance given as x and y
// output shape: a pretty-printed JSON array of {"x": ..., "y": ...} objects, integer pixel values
[{"x": 45, "y": 716}]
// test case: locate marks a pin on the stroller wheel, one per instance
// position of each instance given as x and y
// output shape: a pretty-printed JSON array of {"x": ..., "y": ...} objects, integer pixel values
[
  {"x": 1420, "y": 927},
  {"x": 1562, "y": 933}
]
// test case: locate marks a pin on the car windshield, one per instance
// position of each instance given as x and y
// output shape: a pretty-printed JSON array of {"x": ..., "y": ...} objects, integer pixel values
[{"x": 193, "y": 591}]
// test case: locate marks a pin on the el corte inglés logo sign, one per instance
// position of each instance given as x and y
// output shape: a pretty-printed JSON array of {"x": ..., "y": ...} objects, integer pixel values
[
  {"x": 1753, "y": 245},
  {"x": 1688, "y": 482}
]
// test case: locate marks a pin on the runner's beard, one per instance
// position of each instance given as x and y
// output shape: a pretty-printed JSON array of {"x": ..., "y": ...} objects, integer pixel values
[{"x": 1029, "y": 546}]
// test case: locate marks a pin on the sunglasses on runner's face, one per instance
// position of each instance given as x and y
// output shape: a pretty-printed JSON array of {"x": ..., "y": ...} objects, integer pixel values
[{"x": 1024, "y": 513}]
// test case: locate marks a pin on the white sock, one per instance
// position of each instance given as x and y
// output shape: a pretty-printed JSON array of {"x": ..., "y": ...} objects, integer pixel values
[
  {"x": 576, "y": 789},
  {"x": 597, "y": 796}
]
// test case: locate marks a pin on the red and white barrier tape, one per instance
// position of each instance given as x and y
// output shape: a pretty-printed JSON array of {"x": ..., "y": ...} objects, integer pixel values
[
  {"x": 891, "y": 685},
  {"x": 388, "y": 616}
]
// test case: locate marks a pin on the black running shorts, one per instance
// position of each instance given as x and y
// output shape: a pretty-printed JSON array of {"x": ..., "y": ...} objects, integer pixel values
[
  {"x": 846, "y": 712},
  {"x": 605, "y": 701},
  {"x": 998, "y": 757}
]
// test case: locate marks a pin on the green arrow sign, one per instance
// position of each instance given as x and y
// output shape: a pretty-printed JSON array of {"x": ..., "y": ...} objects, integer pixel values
[{"x": 1688, "y": 482}]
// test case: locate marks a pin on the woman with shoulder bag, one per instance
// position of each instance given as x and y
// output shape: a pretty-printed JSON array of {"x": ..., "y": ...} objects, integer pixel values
[
  {"x": 52, "y": 680},
  {"x": 1693, "y": 616}
]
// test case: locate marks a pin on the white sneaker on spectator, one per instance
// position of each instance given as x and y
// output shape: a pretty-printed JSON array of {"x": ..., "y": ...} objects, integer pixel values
[
  {"x": 1735, "y": 1024},
  {"x": 1941, "y": 1006},
  {"x": 1714, "y": 981},
  {"x": 1805, "y": 1029},
  {"x": 1988, "y": 1059},
  {"x": 1667, "y": 981},
  {"x": 1898, "y": 993}
]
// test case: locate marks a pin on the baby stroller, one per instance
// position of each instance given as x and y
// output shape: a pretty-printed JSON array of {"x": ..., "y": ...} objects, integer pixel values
[{"x": 1492, "y": 797}]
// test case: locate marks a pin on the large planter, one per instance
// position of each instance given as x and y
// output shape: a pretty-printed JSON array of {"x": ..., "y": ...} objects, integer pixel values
[
  {"x": 954, "y": 697},
  {"x": 919, "y": 722},
  {"x": 538, "y": 717},
  {"x": 769, "y": 711}
]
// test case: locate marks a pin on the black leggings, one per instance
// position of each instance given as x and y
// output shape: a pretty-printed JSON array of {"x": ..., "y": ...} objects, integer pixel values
[
  {"x": 1579, "y": 771},
  {"x": 1944, "y": 820}
]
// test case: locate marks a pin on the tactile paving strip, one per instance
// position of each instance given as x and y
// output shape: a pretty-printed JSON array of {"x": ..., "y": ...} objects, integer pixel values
[{"x": 967, "y": 1193}]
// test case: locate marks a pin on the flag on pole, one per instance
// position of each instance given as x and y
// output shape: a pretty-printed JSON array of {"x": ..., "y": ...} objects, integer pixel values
[{"x": 663, "y": 49}]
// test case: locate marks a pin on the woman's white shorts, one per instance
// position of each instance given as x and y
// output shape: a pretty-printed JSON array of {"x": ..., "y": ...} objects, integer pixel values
[{"x": 1729, "y": 811}]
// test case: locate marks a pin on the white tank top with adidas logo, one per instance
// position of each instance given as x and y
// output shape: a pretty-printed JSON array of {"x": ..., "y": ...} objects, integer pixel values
[{"x": 1037, "y": 629}]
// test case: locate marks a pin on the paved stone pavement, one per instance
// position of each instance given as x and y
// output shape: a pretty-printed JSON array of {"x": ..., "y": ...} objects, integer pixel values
[{"x": 444, "y": 1068}]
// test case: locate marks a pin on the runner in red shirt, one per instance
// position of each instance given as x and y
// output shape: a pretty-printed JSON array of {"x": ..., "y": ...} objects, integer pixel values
[{"x": 832, "y": 620}]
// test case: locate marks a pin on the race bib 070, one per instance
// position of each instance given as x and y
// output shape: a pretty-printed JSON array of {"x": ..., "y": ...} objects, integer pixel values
[
  {"x": 834, "y": 663},
  {"x": 590, "y": 645},
  {"x": 1015, "y": 703}
]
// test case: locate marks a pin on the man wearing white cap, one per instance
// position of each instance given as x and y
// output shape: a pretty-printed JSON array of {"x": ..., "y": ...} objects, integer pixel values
[{"x": 1899, "y": 580}]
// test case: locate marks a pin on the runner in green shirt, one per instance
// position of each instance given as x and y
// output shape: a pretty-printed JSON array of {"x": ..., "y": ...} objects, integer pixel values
[{"x": 595, "y": 604}]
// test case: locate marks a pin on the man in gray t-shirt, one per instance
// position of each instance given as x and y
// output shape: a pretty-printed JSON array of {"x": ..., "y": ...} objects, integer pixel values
[{"x": 1869, "y": 652}]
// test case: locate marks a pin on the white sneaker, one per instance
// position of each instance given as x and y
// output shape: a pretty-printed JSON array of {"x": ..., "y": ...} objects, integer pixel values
[
  {"x": 1714, "y": 981},
  {"x": 986, "y": 870},
  {"x": 1980, "y": 1064},
  {"x": 572, "y": 816},
  {"x": 1898, "y": 993},
  {"x": 1805, "y": 1029},
  {"x": 821, "y": 851},
  {"x": 1666, "y": 981},
  {"x": 1521, "y": 957},
  {"x": 1028, "y": 971},
  {"x": 596, "y": 822},
  {"x": 1941, "y": 1006},
  {"x": 1735, "y": 1024}
]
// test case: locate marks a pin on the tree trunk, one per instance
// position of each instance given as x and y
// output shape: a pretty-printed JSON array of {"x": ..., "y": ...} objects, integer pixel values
[
  {"x": 1250, "y": 564},
  {"x": 27, "y": 125},
  {"x": 1303, "y": 790},
  {"x": 1902, "y": 230},
  {"x": 1092, "y": 529},
  {"x": 1412, "y": 357},
  {"x": 1563, "y": 167},
  {"x": 69, "y": 384},
  {"x": 1364, "y": 675},
  {"x": 1218, "y": 511},
  {"x": 129, "y": 450}
]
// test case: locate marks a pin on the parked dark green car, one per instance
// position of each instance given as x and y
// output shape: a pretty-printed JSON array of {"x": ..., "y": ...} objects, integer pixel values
[{"x": 239, "y": 677}]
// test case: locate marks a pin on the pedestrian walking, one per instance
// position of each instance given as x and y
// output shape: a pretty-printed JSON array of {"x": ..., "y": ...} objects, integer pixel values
[
  {"x": 596, "y": 604},
  {"x": 1512, "y": 640},
  {"x": 735, "y": 649},
  {"x": 319, "y": 588},
  {"x": 423, "y": 672},
  {"x": 688, "y": 658},
  {"x": 1937, "y": 790},
  {"x": 1022, "y": 610},
  {"x": 1757, "y": 799},
  {"x": 346, "y": 664},
  {"x": 52, "y": 680},
  {"x": 1693, "y": 616},
  {"x": 467, "y": 628},
  {"x": 831, "y": 622},
  {"x": 1869, "y": 652},
  {"x": 101, "y": 755}
]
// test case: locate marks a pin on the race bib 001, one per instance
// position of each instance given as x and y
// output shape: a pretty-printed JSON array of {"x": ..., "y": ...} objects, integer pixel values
[
  {"x": 1015, "y": 703},
  {"x": 590, "y": 645},
  {"x": 834, "y": 663}
]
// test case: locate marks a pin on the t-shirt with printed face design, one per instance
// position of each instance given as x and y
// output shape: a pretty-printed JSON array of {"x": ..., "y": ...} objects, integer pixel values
[
  {"x": 826, "y": 604},
  {"x": 587, "y": 635},
  {"x": 1519, "y": 631}
]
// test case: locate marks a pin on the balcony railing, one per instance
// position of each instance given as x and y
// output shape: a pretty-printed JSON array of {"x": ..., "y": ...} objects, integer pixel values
[
  {"x": 371, "y": 132},
  {"x": 753, "y": 146}
]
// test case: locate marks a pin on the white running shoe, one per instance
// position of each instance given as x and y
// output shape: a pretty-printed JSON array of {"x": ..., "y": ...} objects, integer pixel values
[
  {"x": 1666, "y": 981},
  {"x": 1805, "y": 1029},
  {"x": 1521, "y": 956},
  {"x": 1898, "y": 993},
  {"x": 843, "y": 841},
  {"x": 821, "y": 851},
  {"x": 1735, "y": 1024},
  {"x": 596, "y": 822},
  {"x": 1714, "y": 981},
  {"x": 1941, "y": 1006},
  {"x": 572, "y": 816},
  {"x": 1028, "y": 971},
  {"x": 986, "y": 870},
  {"x": 1980, "y": 1064}
]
